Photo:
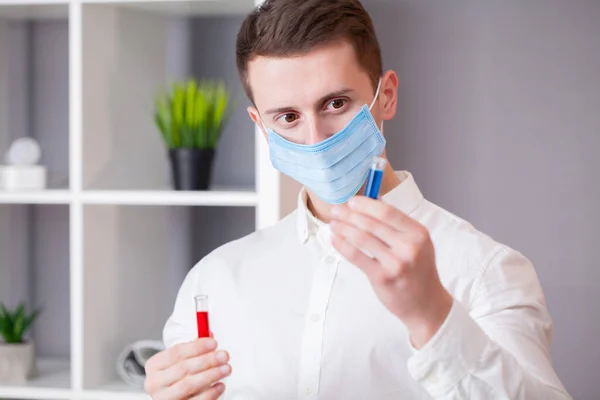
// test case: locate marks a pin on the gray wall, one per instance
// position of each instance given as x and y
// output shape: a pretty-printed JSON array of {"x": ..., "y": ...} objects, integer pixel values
[
  {"x": 49, "y": 119},
  {"x": 49, "y": 100},
  {"x": 39, "y": 92},
  {"x": 498, "y": 119},
  {"x": 213, "y": 56},
  {"x": 214, "y": 226},
  {"x": 49, "y": 279}
]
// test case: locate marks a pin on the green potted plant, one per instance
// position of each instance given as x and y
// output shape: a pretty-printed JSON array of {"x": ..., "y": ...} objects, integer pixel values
[
  {"x": 17, "y": 353},
  {"x": 191, "y": 119}
]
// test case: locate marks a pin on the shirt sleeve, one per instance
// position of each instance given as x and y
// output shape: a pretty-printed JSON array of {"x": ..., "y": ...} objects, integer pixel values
[
  {"x": 497, "y": 347},
  {"x": 181, "y": 325}
]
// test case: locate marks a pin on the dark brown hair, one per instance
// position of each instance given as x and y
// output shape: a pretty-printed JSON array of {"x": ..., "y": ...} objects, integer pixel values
[{"x": 284, "y": 28}]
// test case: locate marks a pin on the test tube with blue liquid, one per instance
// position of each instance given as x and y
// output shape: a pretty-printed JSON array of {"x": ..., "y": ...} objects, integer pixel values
[{"x": 375, "y": 177}]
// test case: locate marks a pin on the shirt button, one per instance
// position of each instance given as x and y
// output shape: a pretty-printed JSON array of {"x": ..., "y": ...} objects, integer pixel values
[
  {"x": 329, "y": 260},
  {"x": 315, "y": 317},
  {"x": 308, "y": 390}
]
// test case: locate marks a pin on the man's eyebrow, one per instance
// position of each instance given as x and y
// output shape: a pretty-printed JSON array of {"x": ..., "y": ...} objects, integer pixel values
[{"x": 328, "y": 96}]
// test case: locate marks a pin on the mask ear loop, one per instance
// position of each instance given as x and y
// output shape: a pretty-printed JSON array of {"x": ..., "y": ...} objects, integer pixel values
[
  {"x": 375, "y": 99},
  {"x": 376, "y": 94},
  {"x": 262, "y": 124}
]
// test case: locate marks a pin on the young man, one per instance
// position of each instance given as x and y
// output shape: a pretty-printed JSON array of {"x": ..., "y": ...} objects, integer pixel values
[{"x": 349, "y": 297}]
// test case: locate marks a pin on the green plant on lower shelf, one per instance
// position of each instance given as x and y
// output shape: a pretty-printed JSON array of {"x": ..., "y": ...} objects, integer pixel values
[
  {"x": 15, "y": 324},
  {"x": 193, "y": 114}
]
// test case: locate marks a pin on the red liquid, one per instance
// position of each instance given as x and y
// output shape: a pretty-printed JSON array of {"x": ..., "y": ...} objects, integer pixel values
[{"x": 202, "y": 321}]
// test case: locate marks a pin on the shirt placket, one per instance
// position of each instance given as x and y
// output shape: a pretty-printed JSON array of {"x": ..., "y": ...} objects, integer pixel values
[{"x": 312, "y": 340}]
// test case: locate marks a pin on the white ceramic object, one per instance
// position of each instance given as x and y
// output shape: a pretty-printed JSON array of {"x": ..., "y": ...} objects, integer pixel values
[
  {"x": 24, "y": 151},
  {"x": 17, "y": 363},
  {"x": 131, "y": 362},
  {"x": 22, "y": 177}
]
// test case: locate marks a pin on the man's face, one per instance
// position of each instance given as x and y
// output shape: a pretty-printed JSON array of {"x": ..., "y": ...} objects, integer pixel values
[{"x": 308, "y": 98}]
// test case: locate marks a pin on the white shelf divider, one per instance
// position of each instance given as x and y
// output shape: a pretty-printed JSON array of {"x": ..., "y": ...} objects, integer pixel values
[{"x": 76, "y": 182}]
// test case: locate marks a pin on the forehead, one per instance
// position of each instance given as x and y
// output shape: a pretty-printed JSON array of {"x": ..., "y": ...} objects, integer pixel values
[{"x": 302, "y": 79}]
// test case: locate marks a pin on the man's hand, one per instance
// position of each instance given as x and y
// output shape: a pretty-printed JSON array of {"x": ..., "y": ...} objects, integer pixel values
[
  {"x": 187, "y": 371},
  {"x": 400, "y": 263}
]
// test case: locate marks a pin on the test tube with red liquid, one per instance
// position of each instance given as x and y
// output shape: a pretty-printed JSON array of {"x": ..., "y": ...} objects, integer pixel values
[{"x": 202, "y": 316}]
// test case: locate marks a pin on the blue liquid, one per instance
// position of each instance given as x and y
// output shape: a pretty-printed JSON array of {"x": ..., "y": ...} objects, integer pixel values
[{"x": 373, "y": 184}]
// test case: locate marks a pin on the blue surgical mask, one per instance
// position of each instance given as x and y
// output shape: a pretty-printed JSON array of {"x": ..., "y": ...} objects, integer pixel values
[{"x": 336, "y": 168}]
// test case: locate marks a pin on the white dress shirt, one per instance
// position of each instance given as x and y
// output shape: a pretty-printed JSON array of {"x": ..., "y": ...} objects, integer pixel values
[{"x": 300, "y": 322}]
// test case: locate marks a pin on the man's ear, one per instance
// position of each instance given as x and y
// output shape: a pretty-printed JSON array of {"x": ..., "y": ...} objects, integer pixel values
[
  {"x": 389, "y": 94},
  {"x": 255, "y": 117}
]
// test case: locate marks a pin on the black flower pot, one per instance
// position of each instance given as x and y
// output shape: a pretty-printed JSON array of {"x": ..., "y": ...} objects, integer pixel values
[{"x": 191, "y": 168}]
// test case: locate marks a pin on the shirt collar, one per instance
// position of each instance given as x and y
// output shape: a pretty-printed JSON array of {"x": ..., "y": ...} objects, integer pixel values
[
  {"x": 307, "y": 223},
  {"x": 406, "y": 197}
]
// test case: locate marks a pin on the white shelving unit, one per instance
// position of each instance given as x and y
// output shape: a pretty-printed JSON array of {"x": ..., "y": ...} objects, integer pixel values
[
  {"x": 127, "y": 238},
  {"x": 37, "y": 197}
]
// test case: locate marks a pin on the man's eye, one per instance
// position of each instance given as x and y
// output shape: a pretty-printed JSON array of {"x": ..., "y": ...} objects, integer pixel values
[
  {"x": 289, "y": 117},
  {"x": 337, "y": 103}
]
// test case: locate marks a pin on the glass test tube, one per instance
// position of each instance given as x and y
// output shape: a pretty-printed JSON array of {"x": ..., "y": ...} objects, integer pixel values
[
  {"x": 202, "y": 316},
  {"x": 375, "y": 176}
]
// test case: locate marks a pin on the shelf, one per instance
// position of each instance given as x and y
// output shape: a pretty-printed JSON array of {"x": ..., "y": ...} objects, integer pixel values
[
  {"x": 36, "y": 197},
  {"x": 184, "y": 8},
  {"x": 117, "y": 390},
  {"x": 171, "y": 198},
  {"x": 35, "y": 10},
  {"x": 225, "y": 198},
  {"x": 53, "y": 382}
]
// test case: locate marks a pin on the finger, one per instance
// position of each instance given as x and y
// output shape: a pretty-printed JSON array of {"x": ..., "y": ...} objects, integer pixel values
[
  {"x": 356, "y": 257},
  {"x": 195, "y": 384},
  {"x": 364, "y": 241},
  {"x": 363, "y": 222},
  {"x": 383, "y": 212},
  {"x": 190, "y": 366},
  {"x": 211, "y": 394},
  {"x": 177, "y": 353},
  {"x": 398, "y": 241}
]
